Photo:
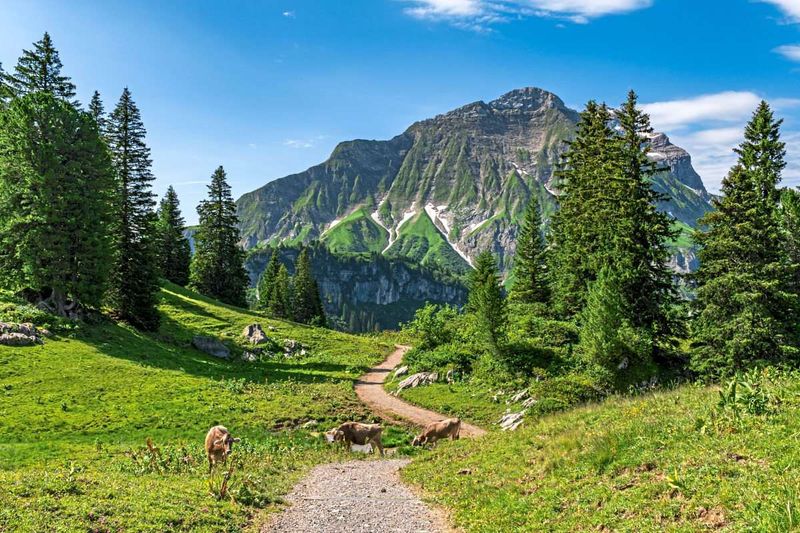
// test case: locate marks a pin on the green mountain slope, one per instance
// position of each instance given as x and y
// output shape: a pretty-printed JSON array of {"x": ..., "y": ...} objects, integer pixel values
[
  {"x": 75, "y": 414},
  {"x": 357, "y": 232},
  {"x": 664, "y": 461},
  {"x": 419, "y": 241},
  {"x": 473, "y": 170}
]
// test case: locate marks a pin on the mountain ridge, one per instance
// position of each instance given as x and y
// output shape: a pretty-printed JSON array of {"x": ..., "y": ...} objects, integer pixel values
[{"x": 470, "y": 171}]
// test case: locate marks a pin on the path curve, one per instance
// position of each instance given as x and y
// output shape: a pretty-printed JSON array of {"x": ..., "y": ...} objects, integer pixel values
[
  {"x": 370, "y": 391},
  {"x": 357, "y": 496}
]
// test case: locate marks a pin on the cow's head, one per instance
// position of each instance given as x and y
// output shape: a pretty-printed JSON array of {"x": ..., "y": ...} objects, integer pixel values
[
  {"x": 419, "y": 440},
  {"x": 226, "y": 443}
]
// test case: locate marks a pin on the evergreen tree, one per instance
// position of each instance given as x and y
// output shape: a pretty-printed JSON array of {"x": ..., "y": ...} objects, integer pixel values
[
  {"x": 55, "y": 239},
  {"x": 5, "y": 90},
  {"x": 97, "y": 110},
  {"x": 281, "y": 296},
  {"x": 530, "y": 265},
  {"x": 486, "y": 300},
  {"x": 134, "y": 279},
  {"x": 174, "y": 254},
  {"x": 39, "y": 70},
  {"x": 746, "y": 308},
  {"x": 643, "y": 232},
  {"x": 217, "y": 268},
  {"x": 266, "y": 282},
  {"x": 790, "y": 222},
  {"x": 307, "y": 301}
]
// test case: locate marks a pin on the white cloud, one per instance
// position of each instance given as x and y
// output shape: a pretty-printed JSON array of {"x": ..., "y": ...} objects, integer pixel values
[
  {"x": 310, "y": 142},
  {"x": 729, "y": 106},
  {"x": 790, "y": 8},
  {"x": 789, "y": 51},
  {"x": 476, "y": 14},
  {"x": 288, "y": 14}
]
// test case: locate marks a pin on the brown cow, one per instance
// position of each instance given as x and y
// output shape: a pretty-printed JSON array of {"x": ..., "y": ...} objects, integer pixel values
[
  {"x": 434, "y": 431},
  {"x": 358, "y": 433},
  {"x": 219, "y": 444}
]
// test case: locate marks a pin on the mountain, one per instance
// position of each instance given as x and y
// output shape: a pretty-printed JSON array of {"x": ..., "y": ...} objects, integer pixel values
[{"x": 448, "y": 187}]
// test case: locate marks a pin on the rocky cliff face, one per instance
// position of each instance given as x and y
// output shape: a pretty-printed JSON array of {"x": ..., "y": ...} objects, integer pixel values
[
  {"x": 368, "y": 292},
  {"x": 447, "y": 188}
]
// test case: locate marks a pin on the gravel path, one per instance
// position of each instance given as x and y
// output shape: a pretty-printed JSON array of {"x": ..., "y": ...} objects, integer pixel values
[
  {"x": 358, "y": 496},
  {"x": 369, "y": 389}
]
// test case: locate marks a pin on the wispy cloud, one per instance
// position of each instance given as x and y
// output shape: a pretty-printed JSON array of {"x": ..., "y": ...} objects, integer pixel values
[
  {"x": 288, "y": 14},
  {"x": 478, "y": 14},
  {"x": 709, "y": 126},
  {"x": 790, "y": 8},
  {"x": 310, "y": 142},
  {"x": 789, "y": 51}
]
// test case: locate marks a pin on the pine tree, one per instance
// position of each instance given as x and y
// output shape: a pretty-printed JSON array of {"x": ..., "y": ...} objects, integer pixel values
[
  {"x": 266, "y": 282},
  {"x": 134, "y": 279},
  {"x": 217, "y": 268},
  {"x": 39, "y": 70},
  {"x": 55, "y": 239},
  {"x": 746, "y": 308},
  {"x": 584, "y": 228},
  {"x": 790, "y": 223},
  {"x": 174, "y": 254},
  {"x": 281, "y": 296},
  {"x": 307, "y": 303},
  {"x": 486, "y": 300},
  {"x": 97, "y": 110},
  {"x": 5, "y": 90},
  {"x": 643, "y": 232},
  {"x": 530, "y": 265}
]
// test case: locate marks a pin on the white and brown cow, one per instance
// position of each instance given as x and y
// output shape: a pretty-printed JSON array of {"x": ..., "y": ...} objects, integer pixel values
[
  {"x": 449, "y": 428},
  {"x": 357, "y": 433},
  {"x": 219, "y": 444}
]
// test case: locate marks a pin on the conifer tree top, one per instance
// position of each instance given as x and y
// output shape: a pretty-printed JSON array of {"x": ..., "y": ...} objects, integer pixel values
[{"x": 40, "y": 70}]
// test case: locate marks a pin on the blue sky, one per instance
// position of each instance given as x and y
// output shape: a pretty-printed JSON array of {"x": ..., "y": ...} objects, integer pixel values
[{"x": 267, "y": 88}]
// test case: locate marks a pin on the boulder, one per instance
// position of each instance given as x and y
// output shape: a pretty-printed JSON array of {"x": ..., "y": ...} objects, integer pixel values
[
  {"x": 249, "y": 357},
  {"x": 518, "y": 397},
  {"x": 18, "y": 339},
  {"x": 403, "y": 370},
  {"x": 415, "y": 380},
  {"x": 254, "y": 333},
  {"x": 212, "y": 346},
  {"x": 511, "y": 421},
  {"x": 529, "y": 402},
  {"x": 292, "y": 348}
]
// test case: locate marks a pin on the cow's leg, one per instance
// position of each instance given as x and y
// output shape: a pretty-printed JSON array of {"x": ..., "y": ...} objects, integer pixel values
[
  {"x": 210, "y": 465},
  {"x": 378, "y": 445}
]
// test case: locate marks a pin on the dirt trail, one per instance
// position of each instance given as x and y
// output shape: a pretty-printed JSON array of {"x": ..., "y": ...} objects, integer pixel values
[
  {"x": 369, "y": 389},
  {"x": 366, "y": 496},
  {"x": 358, "y": 496}
]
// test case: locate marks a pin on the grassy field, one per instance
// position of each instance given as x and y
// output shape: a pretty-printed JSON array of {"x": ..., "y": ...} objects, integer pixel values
[
  {"x": 356, "y": 233},
  {"x": 75, "y": 415},
  {"x": 666, "y": 461}
]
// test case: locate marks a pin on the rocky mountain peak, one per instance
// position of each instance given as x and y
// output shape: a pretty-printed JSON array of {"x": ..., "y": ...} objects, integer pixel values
[{"x": 528, "y": 99}]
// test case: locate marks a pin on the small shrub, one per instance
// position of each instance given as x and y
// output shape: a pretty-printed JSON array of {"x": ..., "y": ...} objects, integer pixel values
[
  {"x": 432, "y": 325},
  {"x": 745, "y": 393},
  {"x": 442, "y": 358},
  {"x": 234, "y": 386}
]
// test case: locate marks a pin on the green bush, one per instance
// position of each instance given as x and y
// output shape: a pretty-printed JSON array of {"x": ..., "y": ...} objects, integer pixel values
[
  {"x": 446, "y": 357},
  {"x": 560, "y": 392},
  {"x": 432, "y": 325}
]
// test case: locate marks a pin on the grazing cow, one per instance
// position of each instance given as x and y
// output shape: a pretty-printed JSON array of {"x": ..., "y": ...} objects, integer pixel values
[
  {"x": 356, "y": 433},
  {"x": 219, "y": 444},
  {"x": 434, "y": 431}
]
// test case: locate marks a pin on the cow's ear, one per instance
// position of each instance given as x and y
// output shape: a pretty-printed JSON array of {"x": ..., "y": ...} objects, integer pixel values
[{"x": 237, "y": 439}]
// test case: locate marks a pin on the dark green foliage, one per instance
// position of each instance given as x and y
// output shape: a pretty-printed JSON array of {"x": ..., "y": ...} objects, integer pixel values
[
  {"x": 50, "y": 156},
  {"x": 282, "y": 296},
  {"x": 39, "y": 70},
  {"x": 746, "y": 305},
  {"x": 530, "y": 264},
  {"x": 97, "y": 111},
  {"x": 5, "y": 90},
  {"x": 217, "y": 268},
  {"x": 134, "y": 276},
  {"x": 266, "y": 282},
  {"x": 432, "y": 325},
  {"x": 307, "y": 300},
  {"x": 174, "y": 254},
  {"x": 790, "y": 223},
  {"x": 487, "y": 301}
]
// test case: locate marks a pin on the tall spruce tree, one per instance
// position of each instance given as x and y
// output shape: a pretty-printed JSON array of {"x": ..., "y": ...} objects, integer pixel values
[
  {"x": 790, "y": 222},
  {"x": 746, "y": 308},
  {"x": 307, "y": 304},
  {"x": 530, "y": 262},
  {"x": 174, "y": 254},
  {"x": 643, "y": 232},
  {"x": 217, "y": 268},
  {"x": 39, "y": 70},
  {"x": 266, "y": 283},
  {"x": 134, "y": 280},
  {"x": 282, "y": 296},
  {"x": 487, "y": 301},
  {"x": 584, "y": 228},
  {"x": 50, "y": 156},
  {"x": 97, "y": 110},
  {"x": 5, "y": 90}
]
